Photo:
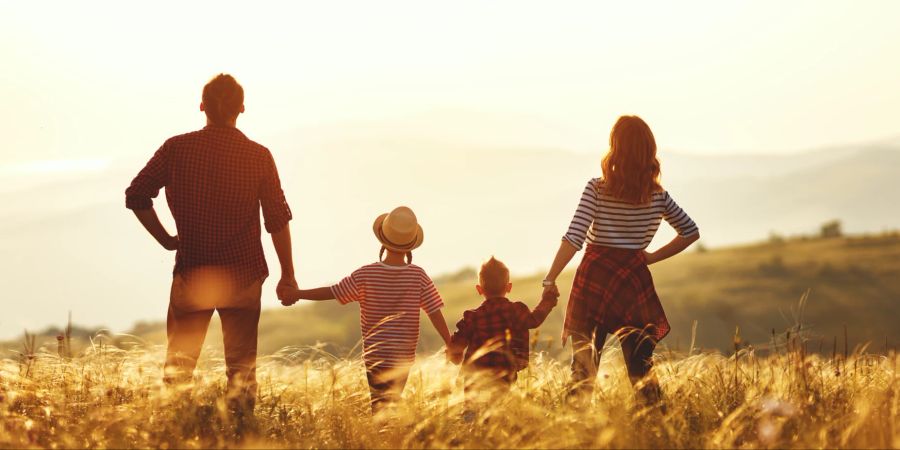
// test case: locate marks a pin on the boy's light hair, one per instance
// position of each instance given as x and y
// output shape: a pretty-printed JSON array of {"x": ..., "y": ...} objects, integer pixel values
[{"x": 493, "y": 277}]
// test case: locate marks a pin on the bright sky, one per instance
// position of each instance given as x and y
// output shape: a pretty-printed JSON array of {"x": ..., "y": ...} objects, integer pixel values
[{"x": 100, "y": 80}]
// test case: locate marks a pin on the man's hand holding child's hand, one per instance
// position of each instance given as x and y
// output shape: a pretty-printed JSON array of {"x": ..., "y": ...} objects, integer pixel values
[{"x": 288, "y": 295}]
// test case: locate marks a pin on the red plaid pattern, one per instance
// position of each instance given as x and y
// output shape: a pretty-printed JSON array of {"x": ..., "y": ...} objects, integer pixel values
[
  {"x": 613, "y": 289},
  {"x": 495, "y": 335},
  {"x": 216, "y": 179}
]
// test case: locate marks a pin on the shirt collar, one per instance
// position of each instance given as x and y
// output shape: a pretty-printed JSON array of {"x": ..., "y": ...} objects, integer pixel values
[{"x": 211, "y": 127}]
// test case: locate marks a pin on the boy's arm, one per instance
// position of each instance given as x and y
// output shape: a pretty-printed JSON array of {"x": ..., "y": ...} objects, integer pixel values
[
  {"x": 437, "y": 319},
  {"x": 536, "y": 318}
]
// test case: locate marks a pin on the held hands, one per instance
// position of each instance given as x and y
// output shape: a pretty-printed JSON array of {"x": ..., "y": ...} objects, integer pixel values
[
  {"x": 551, "y": 296},
  {"x": 550, "y": 292},
  {"x": 287, "y": 290},
  {"x": 289, "y": 296},
  {"x": 453, "y": 354}
]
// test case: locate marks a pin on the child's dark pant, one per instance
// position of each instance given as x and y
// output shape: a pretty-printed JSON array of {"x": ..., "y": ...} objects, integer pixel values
[
  {"x": 489, "y": 377},
  {"x": 478, "y": 379},
  {"x": 484, "y": 386},
  {"x": 637, "y": 348},
  {"x": 386, "y": 385}
]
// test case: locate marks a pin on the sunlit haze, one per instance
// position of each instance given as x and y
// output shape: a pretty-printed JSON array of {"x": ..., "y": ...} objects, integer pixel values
[{"x": 496, "y": 112}]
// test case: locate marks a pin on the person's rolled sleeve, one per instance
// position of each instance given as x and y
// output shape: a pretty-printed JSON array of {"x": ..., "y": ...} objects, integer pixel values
[
  {"x": 276, "y": 212},
  {"x": 146, "y": 185},
  {"x": 137, "y": 202}
]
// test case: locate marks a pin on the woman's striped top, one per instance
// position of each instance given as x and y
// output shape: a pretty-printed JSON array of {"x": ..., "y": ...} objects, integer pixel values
[
  {"x": 604, "y": 220},
  {"x": 390, "y": 298}
]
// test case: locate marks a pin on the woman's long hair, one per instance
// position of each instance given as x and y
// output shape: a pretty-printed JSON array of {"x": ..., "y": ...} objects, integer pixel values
[{"x": 630, "y": 168}]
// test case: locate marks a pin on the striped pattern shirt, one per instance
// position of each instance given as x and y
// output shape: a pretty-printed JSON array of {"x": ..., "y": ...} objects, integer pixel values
[
  {"x": 604, "y": 220},
  {"x": 390, "y": 298}
]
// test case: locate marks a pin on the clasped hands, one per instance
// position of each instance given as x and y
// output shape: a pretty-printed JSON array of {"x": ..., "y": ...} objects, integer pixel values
[
  {"x": 287, "y": 286},
  {"x": 550, "y": 291}
]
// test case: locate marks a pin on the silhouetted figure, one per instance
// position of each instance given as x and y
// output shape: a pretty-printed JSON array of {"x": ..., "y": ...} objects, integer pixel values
[
  {"x": 613, "y": 291},
  {"x": 390, "y": 293},
  {"x": 492, "y": 341},
  {"x": 216, "y": 180}
]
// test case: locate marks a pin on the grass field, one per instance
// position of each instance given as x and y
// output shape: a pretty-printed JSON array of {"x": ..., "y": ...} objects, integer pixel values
[
  {"x": 111, "y": 398},
  {"x": 762, "y": 370}
]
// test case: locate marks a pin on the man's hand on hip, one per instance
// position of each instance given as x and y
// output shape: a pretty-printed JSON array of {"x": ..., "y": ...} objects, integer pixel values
[
  {"x": 171, "y": 243},
  {"x": 151, "y": 223}
]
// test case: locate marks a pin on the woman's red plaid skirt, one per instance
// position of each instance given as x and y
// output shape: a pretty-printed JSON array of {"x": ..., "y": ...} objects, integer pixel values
[{"x": 613, "y": 290}]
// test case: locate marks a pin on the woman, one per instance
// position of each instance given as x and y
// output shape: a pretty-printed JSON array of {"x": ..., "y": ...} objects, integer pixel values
[{"x": 613, "y": 290}]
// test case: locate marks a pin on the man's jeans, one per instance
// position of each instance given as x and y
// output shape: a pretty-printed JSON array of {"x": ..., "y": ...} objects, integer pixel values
[{"x": 190, "y": 309}]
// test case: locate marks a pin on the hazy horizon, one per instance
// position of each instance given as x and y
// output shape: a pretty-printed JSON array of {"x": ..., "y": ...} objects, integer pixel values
[{"x": 89, "y": 255}]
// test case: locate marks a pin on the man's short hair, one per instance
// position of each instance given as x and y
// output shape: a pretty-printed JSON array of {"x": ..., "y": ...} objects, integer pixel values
[
  {"x": 223, "y": 98},
  {"x": 493, "y": 277}
]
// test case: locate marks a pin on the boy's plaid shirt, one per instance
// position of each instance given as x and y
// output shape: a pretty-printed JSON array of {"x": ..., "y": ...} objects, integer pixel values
[
  {"x": 495, "y": 335},
  {"x": 216, "y": 182}
]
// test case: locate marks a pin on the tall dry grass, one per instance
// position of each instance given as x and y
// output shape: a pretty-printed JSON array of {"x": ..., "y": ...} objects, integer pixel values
[{"x": 108, "y": 397}]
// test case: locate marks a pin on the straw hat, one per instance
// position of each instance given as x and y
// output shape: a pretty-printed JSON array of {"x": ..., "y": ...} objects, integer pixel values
[{"x": 399, "y": 231}]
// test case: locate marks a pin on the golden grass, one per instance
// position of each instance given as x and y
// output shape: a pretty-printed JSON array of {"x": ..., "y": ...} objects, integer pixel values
[{"x": 114, "y": 398}]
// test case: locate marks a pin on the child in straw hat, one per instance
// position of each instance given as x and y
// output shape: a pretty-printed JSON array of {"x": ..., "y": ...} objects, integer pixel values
[{"x": 390, "y": 293}]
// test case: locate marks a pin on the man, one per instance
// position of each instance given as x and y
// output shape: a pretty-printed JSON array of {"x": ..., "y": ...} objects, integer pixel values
[{"x": 216, "y": 180}]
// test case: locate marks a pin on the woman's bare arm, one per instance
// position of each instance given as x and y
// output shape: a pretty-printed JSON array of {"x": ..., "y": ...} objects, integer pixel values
[
  {"x": 565, "y": 254},
  {"x": 674, "y": 247}
]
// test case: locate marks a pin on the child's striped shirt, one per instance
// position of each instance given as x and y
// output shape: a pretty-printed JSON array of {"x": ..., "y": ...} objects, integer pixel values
[
  {"x": 390, "y": 298},
  {"x": 604, "y": 220}
]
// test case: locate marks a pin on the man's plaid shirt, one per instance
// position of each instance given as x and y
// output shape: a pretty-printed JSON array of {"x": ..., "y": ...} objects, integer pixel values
[
  {"x": 216, "y": 180},
  {"x": 495, "y": 335}
]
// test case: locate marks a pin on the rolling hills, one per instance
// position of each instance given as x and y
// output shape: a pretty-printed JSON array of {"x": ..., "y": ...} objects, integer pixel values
[{"x": 852, "y": 281}]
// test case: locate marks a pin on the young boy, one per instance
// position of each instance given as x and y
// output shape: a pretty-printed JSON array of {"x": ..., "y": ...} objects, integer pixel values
[{"x": 493, "y": 339}]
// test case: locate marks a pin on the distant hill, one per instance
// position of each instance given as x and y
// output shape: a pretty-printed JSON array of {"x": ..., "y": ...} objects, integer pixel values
[
  {"x": 70, "y": 245},
  {"x": 852, "y": 281}
]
